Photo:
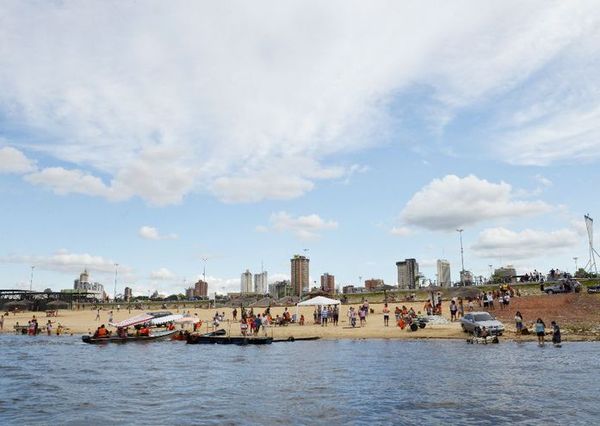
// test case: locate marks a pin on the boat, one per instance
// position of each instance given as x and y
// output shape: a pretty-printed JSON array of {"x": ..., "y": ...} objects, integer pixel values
[
  {"x": 116, "y": 339},
  {"x": 296, "y": 339},
  {"x": 220, "y": 337}
]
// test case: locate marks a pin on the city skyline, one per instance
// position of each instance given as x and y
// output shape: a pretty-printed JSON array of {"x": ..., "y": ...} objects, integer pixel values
[{"x": 146, "y": 153}]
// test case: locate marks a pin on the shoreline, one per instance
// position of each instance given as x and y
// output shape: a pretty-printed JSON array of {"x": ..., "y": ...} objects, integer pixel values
[{"x": 578, "y": 316}]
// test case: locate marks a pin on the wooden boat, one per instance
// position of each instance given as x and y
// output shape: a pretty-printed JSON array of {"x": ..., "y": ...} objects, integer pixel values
[
  {"x": 296, "y": 339},
  {"x": 116, "y": 339},
  {"x": 210, "y": 338}
]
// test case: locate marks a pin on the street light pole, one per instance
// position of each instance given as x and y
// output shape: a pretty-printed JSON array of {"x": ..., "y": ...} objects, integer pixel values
[
  {"x": 31, "y": 279},
  {"x": 575, "y": 259},
  {"x": 115, "y": 293},
  {"x": 462, "y": 260}
]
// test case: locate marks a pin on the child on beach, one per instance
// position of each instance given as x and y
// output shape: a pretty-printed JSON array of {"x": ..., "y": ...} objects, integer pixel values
[{"x": 519, "y": 322}]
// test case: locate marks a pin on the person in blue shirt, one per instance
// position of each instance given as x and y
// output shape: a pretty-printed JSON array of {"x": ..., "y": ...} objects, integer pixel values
[{"x": 540, "y": 331}]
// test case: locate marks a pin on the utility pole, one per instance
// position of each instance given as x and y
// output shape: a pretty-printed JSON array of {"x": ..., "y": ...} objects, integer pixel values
[
  {"x": 115, "y": 293},
  {"x": 462, "y": 260},
  {"x": 31, "y": 279},
  {"x": 575, "y": 259}
]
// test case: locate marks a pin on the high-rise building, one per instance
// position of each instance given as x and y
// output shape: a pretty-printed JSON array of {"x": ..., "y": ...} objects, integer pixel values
[
  {"x": 201, "y": 289},
  {"x": 328, "y": 283},
  {"x": 246, "y": 282},
  {"x": 189, "y": 293},
  {"x": 443, "y": 273},
  {"x": 260, "y": 283},
  {"x": 92, "y": 288},
  {"x": 127, "y": 294},
  {"x": 373, "y": 284},
  {"x": 408, "y": 272},
  {"x": 299, "y": 274}
]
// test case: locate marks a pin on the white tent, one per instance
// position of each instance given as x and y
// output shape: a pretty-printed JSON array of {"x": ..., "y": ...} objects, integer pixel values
[{"x": 319, "y": 301}]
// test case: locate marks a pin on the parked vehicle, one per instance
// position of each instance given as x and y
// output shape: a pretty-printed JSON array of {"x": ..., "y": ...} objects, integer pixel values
[
  {"x": 473, "y": 322},
  {"x": 562, "y": 286},
  {"x": 594, "y": 289}
]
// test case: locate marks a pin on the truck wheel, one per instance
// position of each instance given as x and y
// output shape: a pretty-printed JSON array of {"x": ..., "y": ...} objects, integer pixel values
[{"x": 549, "y": 292}]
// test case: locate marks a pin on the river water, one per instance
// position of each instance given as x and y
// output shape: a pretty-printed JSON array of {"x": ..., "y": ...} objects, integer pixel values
[{"x": 60, "y": 380}]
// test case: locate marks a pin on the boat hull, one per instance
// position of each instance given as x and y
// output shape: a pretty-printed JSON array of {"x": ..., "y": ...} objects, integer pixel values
[
  {"x": 199, "y": 339},
  {"x": 116, "y": 339}
]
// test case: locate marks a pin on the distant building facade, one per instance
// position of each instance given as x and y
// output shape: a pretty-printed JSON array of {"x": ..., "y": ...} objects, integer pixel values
[
  {"x": 408, "y": 271},
  {"x": 201, "y": 289},
  {"x": 127, "y": 294},
  {"x": 328, "y": 283},
  {"x": 373, "y": 283},
  {"x": 93, "y": 288},
  {"x": 443, "y": 273},
  {"x": 260, "y": 283},
  {"x": 280, "y": 289},
  {"x": 246, "y": 282},
  {"x": 299, "y": 274}
]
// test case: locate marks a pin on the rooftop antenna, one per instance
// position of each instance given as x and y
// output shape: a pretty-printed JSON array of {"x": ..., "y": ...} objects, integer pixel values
[{"x": 591, "y": 264}]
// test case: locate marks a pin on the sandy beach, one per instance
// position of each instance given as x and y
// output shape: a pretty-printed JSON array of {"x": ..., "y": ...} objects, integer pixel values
[{"x": 569, "y": 311}]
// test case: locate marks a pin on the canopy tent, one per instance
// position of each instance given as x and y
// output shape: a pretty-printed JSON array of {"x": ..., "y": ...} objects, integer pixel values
[
  {"x": 165, "y": 319},
  {"x": 138, "y": 319},
  {"x": 319, "y": 301}
]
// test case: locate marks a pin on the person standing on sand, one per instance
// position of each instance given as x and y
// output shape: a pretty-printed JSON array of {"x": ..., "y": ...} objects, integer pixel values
[
  {"x": 49, "y": 327},
  {"x": 461, "y": 308},
  {"x": 519, "y": 322},
  {"x": 110, "y": 317},
  {"x": 453, "y": 310},
  {"x": 2, "y": 322},
  {"x": 98, "y": 315},
  {"x": 540, "y": 331},
  {"x": 386, "y": 315}
]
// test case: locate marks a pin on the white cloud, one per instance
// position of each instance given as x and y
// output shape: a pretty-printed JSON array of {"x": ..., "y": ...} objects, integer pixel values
[
  {"x": 401, "y": 231},
  {"x": 199, "y": 97},
  {"x": 65, "y": 261},
  {"x": 303, "y": 227},
  {"x": 450, "y": 202},
  {"x": 512, "y": 245},
  {"x": 151, "y": 233},
  {"x": 162, "y": 274},
  {"x": 62, "y": 181},
  {"x": 14, "y": 161},
  {"x": 542, "y": 180}
]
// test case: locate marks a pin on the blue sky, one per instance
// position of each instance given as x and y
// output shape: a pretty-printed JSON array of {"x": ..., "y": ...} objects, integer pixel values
[{"x": 158, "y": 136}]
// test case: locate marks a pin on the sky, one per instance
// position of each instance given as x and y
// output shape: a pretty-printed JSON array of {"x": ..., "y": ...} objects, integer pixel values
[{"x": 187, "y": 138}]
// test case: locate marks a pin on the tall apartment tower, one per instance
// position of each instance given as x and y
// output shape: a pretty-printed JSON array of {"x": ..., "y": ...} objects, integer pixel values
[
  {"x": 246, "y": 282},
  {"x": 260, "y": 283},
  {"x": 408, "y": 271},
  {"x": 328, "y": 283},
  {"x": 201, "y": 289},
  {"x": 443, "y": 273},
  {"x": 299, "y": 274}
]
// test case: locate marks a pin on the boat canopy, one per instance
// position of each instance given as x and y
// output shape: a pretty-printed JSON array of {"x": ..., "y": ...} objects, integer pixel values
[
  {"x": 138, "y": 319},
  {"x": 191, "y": 320},
  {"x": 165, "y": 319}
]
